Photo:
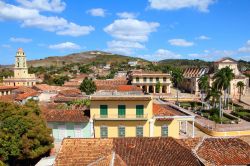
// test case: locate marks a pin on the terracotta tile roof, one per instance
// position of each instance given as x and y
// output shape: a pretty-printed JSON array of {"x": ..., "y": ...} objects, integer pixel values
[
  {"x": 7, "y": 98},
  {"x": 23, "y": 92},
  {"x": 111, "y": 82},
  {"x": 71, "y": 93},
  {"x": 52, "y": 115},
  {"x": 126, "y": 151},
  {"x": 225, "y": 151},
  {"x": 45, "y": 87},
  {"x": 81, "y": 152},
  {"x": 7, "y": 88},
  {"x": 72, "y": 84},
  {"x": 164, "y": 110},
  {"x": 153, "y": 151},
  {"x": 119, "y": 88},
  {"x": 194, "y": 72},
  {"x": 121, "y": 98}
]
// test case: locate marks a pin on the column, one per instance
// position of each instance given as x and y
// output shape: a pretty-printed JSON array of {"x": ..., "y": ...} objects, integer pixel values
[
  {"x": 168, "y": 89},
  {"x": 153, "y": 89},
  {"x": 160, "y": 89},
  {"x": 193, "y": 129},
  {"x": 91, "y": 128},
  {"x": 151, "y": 127},
  {"x": 147, "y": 88}
]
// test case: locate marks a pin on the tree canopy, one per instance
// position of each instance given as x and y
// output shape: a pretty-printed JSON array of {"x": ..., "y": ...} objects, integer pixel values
[
  {"x": 88, "y": 86},
  {"x": 23, "y": 133}
]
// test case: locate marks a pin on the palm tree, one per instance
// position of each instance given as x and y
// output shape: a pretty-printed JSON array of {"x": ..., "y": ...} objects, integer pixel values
[
  {"x": 240, "y": 85},
  {"x": 203, "y": 83},
  {"x": 222, "y": 79},
  {"x": 214, "y": 94},
  {"x": 176, "y": 78}
]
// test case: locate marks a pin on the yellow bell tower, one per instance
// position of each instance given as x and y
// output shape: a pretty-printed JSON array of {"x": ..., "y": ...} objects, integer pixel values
[
  {"x": 21, "y": 75},
  {"x": 21, "y": 69}
]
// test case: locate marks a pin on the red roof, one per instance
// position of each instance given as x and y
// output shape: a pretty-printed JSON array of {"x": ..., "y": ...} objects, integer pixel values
[
  {"x": 52, "y": 115},
  {"x": 164, "y": 110},
  {"x": 128, "y": 88},
  {"x": 7, "y": 87}
]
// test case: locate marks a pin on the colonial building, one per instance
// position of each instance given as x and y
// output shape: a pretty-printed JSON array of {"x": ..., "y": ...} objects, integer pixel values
[
  {"x": 190, "y": 80},
  {"x": 233, "y": 90},
  {"x": 128, "y": 114},
  {"x": 148, "y": 81},
  {"x": 6, "y": 90},
  {"x": 21, "y": 75}
]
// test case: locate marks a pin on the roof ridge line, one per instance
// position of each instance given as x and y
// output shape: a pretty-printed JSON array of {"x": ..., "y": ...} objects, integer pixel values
[{"x": 194, "y": 151}]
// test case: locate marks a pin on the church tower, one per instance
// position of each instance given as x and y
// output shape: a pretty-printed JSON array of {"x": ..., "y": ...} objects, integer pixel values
[
  {"x": 21, "y": 75},
  {"x": 20, "y": 69}
]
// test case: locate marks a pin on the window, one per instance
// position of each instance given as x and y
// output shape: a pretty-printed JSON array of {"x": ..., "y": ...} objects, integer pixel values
[
  {"x": 137, "y": 79},
  {"x": 104, "y": 132},
  {"x": 121, "y": 111},
  {"x": 157, "y": 79},
  {"x": 164, "y": 131},
  {"x": 144, "y": 79},
  {"x": 139, "y": 131},
  {"x": 151, "y": 79},
  {"x": 139, "y": 111},
  {"x": 104, "y": 111},
  {"x": 121, "y": 131},
  {"x": 164, "y": 79}
]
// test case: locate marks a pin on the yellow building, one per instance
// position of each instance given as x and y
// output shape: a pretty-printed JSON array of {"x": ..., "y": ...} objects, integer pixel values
[
  {"x": 148, "y": 80},
  {"x": 133, "y": 115},
  {"x": 21, "y": 75}
]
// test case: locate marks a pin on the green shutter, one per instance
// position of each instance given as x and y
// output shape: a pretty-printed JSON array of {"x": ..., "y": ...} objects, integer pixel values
[
  {"x": 139, "y": 111},
  {"x": 121, "y": 111},
  {"x": 164, "y": 131},
  {"x": 121, "y": 131},
  {"x": 139, "y": 131},
  {"x": 104, "y": 132},
  {"x": 103, "y": 111}
]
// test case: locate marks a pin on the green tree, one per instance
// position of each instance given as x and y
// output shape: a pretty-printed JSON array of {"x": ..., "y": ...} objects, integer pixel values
[
  {"x": 222, "y": 79},
  {"x": 203, "y": 83},
  {"x": 158, "y": 87},
  {"x": 177, "y": 77},
  {"x": 214, "y": 95},
  {"x": 240, "y": 85},
  {"x": 24, "y": 135},
  {"x": 88, "y": 86}
]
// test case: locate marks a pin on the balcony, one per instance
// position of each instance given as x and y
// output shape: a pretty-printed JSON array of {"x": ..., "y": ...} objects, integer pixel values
[{"x": 121, "y": 117}]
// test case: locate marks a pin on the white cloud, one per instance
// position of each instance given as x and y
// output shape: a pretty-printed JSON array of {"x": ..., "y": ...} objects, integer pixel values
[
  {"x": 246, "y": 48},
  {"x": 65, "y": 45},
  {"x": 180, "y": 42},
  {"x": 44, "y": 5},
  {"x": 6, "y": 46},
  {"x": 131, "y": 29},
  {"x": 20, "y": 40},
  {"x": 99, "y": 12},
  {"x": 32, "y": 18},
  {"x": 162, "y": 54},
  {"x": 203, "y": 37},
  {"x": 201, "y": 5},
  {"x": 123, "y": 47},
  {"x": 127, "y": 15},
  {"x": 73, "y": 29},
  {"x": 11, "y": 12}
]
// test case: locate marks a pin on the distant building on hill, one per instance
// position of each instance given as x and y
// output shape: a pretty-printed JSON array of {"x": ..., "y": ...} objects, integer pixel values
[{"x": 21, "y": 75}]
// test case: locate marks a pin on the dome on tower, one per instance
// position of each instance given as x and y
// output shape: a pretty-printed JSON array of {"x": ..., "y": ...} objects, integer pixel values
[{"x": 20, "y": 50}]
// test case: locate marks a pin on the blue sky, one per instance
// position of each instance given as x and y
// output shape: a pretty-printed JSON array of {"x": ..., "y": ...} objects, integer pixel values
[{"x": 151, "y": 29}]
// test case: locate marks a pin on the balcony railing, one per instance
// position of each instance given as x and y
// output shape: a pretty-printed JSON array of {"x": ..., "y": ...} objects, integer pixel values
[{"x": 121, "y": 117}]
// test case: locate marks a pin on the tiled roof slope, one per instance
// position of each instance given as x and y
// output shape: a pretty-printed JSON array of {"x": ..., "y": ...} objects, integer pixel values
[
  {"x": 225, "y": 151},
  {"x": 126, "y": 151},
  {"x": 153, "y": 151},
  {"x": 81, "y": 152},
  {"x": 164, "y": 110},
  {"x": 52, "y": 115},
  {"x": 194, "y": 72}
]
